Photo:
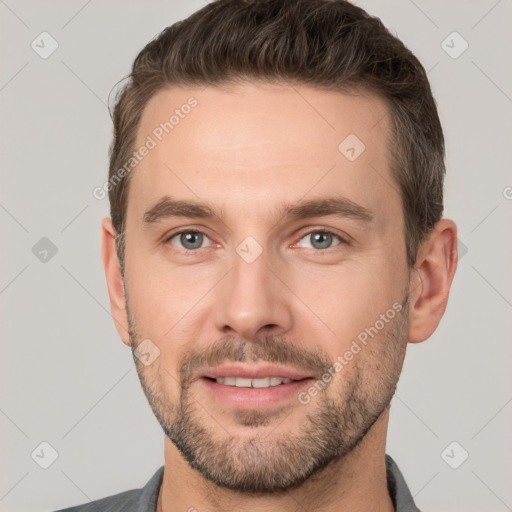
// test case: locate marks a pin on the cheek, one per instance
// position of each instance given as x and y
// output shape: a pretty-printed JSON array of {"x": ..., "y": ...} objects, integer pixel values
[
  {"x": 350, "y": 298},
  {"x": 161, "y": 295},
  {"x": 167, "y": 306}
]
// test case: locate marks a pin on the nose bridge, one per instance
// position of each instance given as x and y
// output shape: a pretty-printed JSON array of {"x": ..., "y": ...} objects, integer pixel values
[{"x": 251, "y": 296}]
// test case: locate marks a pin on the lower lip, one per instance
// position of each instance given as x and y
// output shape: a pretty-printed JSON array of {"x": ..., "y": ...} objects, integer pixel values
[{"x": 255, "y": 398}]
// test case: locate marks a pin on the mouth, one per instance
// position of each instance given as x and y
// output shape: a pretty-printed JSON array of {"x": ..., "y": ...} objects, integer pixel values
[
  {"x": 249, "y": 388},
  {"x": 242, "y": 382}
]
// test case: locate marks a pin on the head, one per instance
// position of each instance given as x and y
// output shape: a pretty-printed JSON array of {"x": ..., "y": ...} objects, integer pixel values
[{"x": 276, "y": 192}]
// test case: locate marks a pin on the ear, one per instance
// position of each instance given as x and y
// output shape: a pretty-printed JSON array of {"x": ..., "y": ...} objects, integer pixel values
[
  {"x": 431, "y": 280},
  {"x": 114, "y": 280}
]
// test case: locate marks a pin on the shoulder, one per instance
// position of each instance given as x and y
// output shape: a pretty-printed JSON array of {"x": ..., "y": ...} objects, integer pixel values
[
  {"x": 122, "y": 502},
  {"x": 135, "y": 500}
]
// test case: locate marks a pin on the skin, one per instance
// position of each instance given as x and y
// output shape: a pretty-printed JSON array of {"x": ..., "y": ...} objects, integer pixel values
[{"x": 246, "y": 150}]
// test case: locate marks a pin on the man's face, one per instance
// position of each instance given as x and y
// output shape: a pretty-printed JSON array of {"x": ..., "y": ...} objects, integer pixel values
[{"x": 263, "y": 288}]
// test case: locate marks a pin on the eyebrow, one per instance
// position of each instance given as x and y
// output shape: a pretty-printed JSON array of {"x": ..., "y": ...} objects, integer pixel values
[{"x": 342, "y": 207}]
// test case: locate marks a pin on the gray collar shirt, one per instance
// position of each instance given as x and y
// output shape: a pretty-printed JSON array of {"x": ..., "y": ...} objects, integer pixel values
[{"x": 144, "y": 499}]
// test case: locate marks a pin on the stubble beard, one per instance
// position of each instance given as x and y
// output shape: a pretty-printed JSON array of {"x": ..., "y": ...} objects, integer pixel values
[{"x": 261, "y": 463}]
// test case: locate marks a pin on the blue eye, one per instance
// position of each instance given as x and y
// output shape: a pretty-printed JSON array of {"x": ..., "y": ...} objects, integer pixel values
[
  {"x": 192, "y": 240},
  {"x": 189, "y": 240},
  {"x": 321, "y": 239}
]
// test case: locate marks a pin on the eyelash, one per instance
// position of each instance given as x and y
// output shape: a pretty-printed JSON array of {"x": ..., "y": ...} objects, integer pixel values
[{"x": 342, "y": 240}]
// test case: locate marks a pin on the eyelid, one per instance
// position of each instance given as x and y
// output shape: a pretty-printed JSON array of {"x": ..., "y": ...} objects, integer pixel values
[
  {"x": 167, "y": 237},
  {"x": 344, "y": 239}
]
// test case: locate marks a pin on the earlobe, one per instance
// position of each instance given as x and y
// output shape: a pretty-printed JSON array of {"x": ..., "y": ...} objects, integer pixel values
[
  {"x": 114, "y": 279},
  {"x": 431, "y": 280}
]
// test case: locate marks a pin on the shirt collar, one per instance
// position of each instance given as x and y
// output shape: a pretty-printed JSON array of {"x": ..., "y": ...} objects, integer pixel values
[{"x": 397, "y": 488}]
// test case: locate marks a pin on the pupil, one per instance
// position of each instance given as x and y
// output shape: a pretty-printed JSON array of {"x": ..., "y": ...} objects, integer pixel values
[
  {"x": 192, "y": 239},
  {"x": 323, "y": 240}
]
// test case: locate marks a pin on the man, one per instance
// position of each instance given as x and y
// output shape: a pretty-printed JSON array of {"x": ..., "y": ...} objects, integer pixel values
[{"x": 276, "y": 239}]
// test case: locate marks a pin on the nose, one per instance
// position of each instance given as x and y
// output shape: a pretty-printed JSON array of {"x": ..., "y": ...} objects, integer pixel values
[{"x": 253, "y": 299}]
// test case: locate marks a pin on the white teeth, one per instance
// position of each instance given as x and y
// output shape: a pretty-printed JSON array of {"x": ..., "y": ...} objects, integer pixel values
[
  {"x": 241, "y": 382},
  {"x": 261, "y": 383}
]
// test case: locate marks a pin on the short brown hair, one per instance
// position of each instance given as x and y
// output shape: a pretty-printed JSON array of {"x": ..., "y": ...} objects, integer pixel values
[{"x": 329, "y": 44}]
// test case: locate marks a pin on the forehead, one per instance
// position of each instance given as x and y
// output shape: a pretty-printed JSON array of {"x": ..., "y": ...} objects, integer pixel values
[
  {"x": 220, "y": 112},
  {"x": 258, "y": 141}
]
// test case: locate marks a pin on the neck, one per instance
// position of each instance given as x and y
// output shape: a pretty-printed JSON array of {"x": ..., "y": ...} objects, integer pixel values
[{"x": 356, "y": 482}]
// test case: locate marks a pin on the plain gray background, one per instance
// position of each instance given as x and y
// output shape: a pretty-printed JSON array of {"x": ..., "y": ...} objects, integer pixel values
[{"x": 66, "y": 377}]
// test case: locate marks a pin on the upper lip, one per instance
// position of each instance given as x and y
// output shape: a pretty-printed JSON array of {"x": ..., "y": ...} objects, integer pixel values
[{"x": 254, "y": 372}]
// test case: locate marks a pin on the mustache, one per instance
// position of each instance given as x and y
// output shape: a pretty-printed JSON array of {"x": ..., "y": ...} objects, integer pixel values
[{"x": 269, "y": 349}]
